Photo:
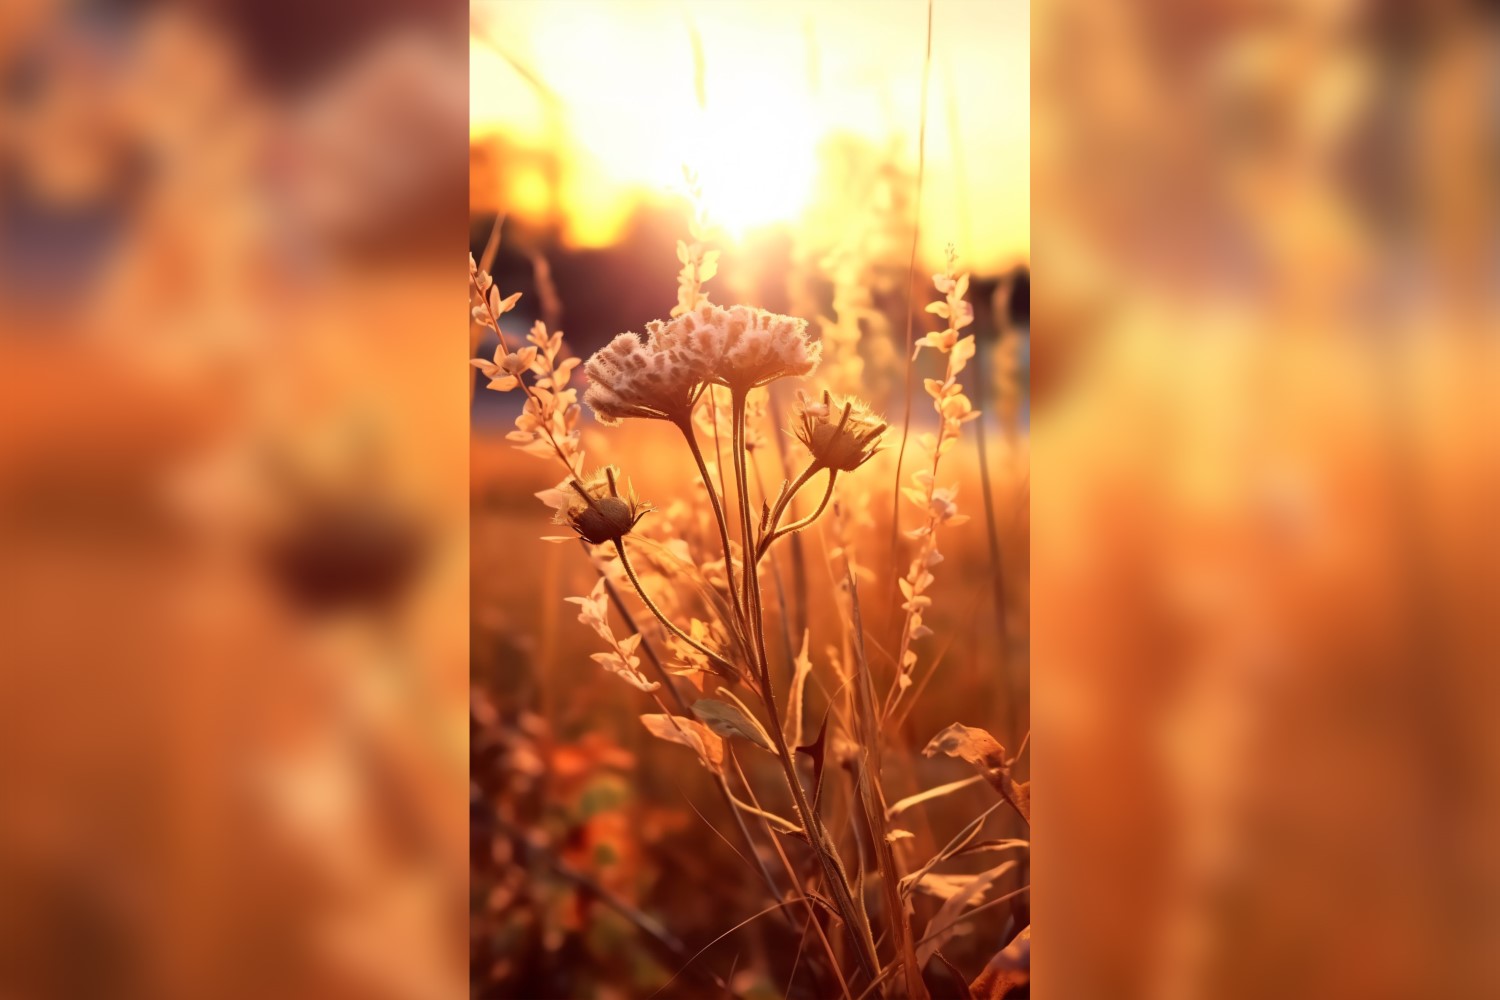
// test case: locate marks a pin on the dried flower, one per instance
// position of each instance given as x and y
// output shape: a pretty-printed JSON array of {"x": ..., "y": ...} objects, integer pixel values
[
  {"x": 761, "y": 347},
  {"x": 548, "y": 424},
  {"x": 660, "y": 377},
  {"x": 841, "y": 432},
  {"x": 596, "y": 509},
  {"x": 656, "y": 378}
]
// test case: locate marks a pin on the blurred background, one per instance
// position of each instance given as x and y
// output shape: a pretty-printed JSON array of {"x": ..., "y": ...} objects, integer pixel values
[
  {"x": 1265, "y": 454},
  {"x": 598, "y": 133},
  {"x": 232, "y": 500}
]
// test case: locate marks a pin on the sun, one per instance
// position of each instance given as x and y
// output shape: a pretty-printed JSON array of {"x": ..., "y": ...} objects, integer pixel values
[{"x": 754, "y": 174}]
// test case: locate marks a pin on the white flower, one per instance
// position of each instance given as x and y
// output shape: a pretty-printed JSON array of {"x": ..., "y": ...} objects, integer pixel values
[{"x": 660, "y": 376}]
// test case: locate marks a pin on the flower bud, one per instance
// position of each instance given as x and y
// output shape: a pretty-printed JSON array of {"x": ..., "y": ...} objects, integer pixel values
[{"x": 597, "y": 511}]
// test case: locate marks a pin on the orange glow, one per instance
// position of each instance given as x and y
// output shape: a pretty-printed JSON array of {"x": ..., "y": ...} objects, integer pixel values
[{"x": 610, "y": 93}]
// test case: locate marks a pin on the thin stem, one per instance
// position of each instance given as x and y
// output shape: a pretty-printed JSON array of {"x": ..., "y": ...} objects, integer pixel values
[
  {"x": 651, "y": 606},
  {"x": 991, "y": 521},
  {"x": 713, "y": 498},
  {"x": 786, "y": 497},
  {"x": 742, "y": 488},
  {"x": 786, "y": 617},
  {"x": 720, "y": 782},
  {"x": 833, "y": 873},
  {"x": 765, "y": 543},
  {"x": 833, "y": 961}
]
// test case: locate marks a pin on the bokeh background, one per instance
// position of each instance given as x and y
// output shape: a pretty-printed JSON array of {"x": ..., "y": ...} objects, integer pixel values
[
  {"x": 232, "y": 500},
  {"x": 1264, "y": 456}
]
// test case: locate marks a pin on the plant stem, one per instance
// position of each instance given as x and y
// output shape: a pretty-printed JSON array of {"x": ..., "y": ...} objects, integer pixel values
[
  {"x": 682, "y": 706},
  {"x": 651, "y": 606},
  {"x": 786, "y": 497},
  {"x": 775, "y": 533},
  {"x": 834, "y": 877},
  {"x": 527, "y": 389},
  {"x": 718, "y": 507}
]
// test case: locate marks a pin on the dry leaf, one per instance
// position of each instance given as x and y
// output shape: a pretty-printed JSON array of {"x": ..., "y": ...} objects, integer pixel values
[
  {"x": 985, "y": 752},
  {"x": 931, "y": 793},
  {"x": 945, "y": 924},
  {"x": 967, "y": 743},
  {"x": 941, "y": 886},
  {"x": 992, "y": 845},
  {"x": 956, "y": 983},
  {"x": 730, "y": 720},
  {"x": 690, "y": 733}
]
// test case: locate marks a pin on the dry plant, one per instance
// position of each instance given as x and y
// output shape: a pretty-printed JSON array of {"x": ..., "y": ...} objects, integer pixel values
[{"x": 705, "y": 579}]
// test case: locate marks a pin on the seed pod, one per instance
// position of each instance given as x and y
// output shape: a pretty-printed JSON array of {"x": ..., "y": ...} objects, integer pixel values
[
  {"x": 598, "y": 511},
  {"x": 841, "y": 433}
]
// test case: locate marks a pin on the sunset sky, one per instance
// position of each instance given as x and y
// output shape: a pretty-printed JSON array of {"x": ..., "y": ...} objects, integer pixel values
[{"x": 777, "y": 77}]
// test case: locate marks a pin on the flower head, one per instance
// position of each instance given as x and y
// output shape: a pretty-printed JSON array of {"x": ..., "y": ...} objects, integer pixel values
[
  {"x": 656, "y": 378},
  {"x": 595, "y": 508},
  {"x": 661, "y": 375},
  {"x": 841, "y": 432},
  {"x": 761, "y": 347}
]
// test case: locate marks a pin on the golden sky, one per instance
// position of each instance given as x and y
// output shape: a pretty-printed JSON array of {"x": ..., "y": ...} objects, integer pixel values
[{"x": 777, "y": 77}]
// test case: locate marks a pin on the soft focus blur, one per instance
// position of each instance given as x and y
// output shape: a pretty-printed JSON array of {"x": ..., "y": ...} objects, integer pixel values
[
  {"x": 584, "y": 113},
  {"x": 1265, "y": 440},
  {"x": 232, "y": 500}
]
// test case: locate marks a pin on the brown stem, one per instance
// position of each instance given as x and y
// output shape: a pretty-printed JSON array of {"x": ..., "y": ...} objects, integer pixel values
[
  {"x": 685, "y": 427},
  {"x": 786, "y": 498},
  {"x": 682, "y": 706},
  {"x": 834, "y": 877},
  {"x": 651, "y": 606},
  {"x": 766, "y": 542}
]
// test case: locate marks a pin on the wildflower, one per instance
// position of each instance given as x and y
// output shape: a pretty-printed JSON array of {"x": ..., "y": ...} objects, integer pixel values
[
  {"x": 661, "y": 376},
  {"x": 596, "y": 510},
  {"x": 657, "y": 378},
  {"x": 761, "y": 347},
  {"x": 841, "y": 432}
]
